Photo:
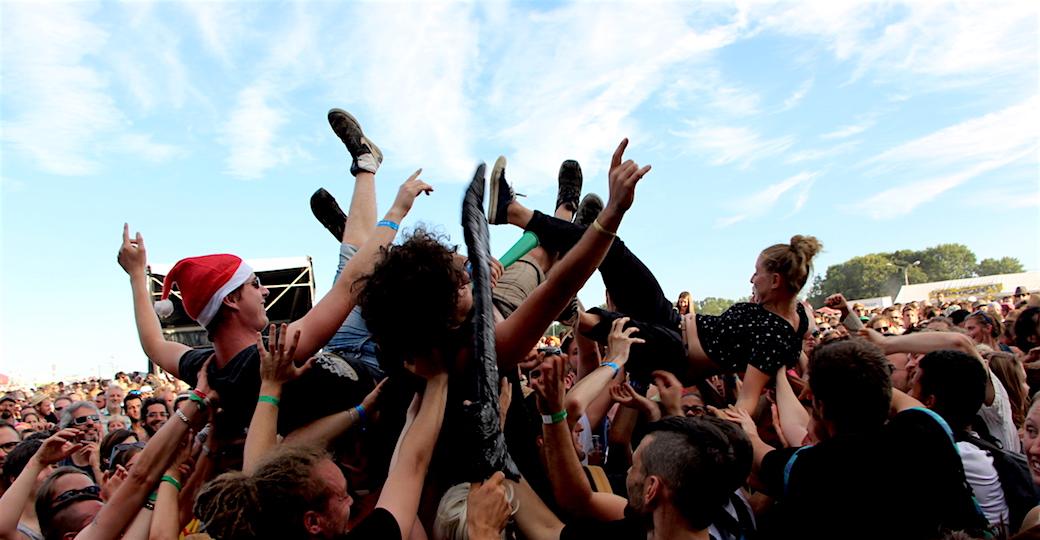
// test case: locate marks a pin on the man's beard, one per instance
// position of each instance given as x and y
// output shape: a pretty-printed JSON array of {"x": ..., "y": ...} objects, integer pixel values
[{"x": 6, "y": 415}]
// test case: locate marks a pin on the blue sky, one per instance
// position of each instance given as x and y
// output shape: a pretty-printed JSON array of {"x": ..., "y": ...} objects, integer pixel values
[{"x": 873, "y": 126}]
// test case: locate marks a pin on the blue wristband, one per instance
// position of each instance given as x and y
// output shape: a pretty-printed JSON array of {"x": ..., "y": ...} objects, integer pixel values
[
  {"x": 388, "y": 223},
  {"x": 611, "y": 365},
  {"x": 361, "y": 412}
]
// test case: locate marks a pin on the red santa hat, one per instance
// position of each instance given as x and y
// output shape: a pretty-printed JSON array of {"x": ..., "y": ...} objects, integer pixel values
[{"x": 203, "y": 282}]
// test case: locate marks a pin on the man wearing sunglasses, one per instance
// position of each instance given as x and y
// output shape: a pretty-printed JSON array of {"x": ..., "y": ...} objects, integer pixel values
[{"x": 84, "y": 417}]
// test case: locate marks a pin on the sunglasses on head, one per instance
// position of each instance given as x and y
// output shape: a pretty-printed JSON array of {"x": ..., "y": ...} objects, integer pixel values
[
  {"x": 117, "y": 449},
  {"x": 982, "y": 315},
  {"x": 80, "y": 420},
  {"x": 882, "y": 328},
  {"x": 89, "y": 493}
]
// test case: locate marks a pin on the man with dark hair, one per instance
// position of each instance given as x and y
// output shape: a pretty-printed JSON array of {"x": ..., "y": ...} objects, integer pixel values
[
  {"x": 154, "y": 413},
  {"x": 953, "y": 384},
  {"x": 852, "y": 484}
]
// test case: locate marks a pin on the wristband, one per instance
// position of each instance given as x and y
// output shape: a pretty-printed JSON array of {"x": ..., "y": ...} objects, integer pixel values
[
  {"x": 612, "y": 365},
  {"x": 361, "y": 413},
  {"x": 269, "y": 399},
  {"x": 192, "y": 396},
  {"x": 180, "y": 415},
  {"x": 153, "y": 496},
  {"x": 388, "y": 224},
  {"x": 202, "y": 395},
  {"x": 598, "y": 227},
  {"x": 554, "y": 418},
  {"x": 172, "y": 481}
]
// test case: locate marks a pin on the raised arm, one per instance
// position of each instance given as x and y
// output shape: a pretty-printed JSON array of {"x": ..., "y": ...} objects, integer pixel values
[
  {"x": 404, "y": 483},
  {"x": 596, "y": 383},
  {"x": 323, "y": 431},
  {"x": 570, "y": 486},
  {"x": 134, "y": 260},
  {"x": 516, "y": 335},
  {"x": 320, "y": 323},
  {"x": 56, "y": 448},
  {"x": 276, "y": 369},
  {"x": 743, "y": 419},
  {"x": 794, "y": 419},
  {"x": 921, "y": 342}
]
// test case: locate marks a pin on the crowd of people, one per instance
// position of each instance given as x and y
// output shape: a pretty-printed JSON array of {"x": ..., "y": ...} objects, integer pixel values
[{"x": 457, "y": 418}]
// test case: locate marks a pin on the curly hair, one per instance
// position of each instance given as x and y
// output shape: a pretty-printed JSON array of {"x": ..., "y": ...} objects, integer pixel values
[
  {"x": 420, "y": 272},
  {"x": 227, "y": 505}
]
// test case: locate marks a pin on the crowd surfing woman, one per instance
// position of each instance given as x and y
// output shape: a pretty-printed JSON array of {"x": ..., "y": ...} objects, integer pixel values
[{"x": 754, "y": 338}]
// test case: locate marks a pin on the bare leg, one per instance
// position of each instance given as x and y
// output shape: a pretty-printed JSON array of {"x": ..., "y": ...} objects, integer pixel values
[
  {"x": 518, "y": 214},
  {"x": 564, "y": 213},
  {"x": 362, "y": 220}
]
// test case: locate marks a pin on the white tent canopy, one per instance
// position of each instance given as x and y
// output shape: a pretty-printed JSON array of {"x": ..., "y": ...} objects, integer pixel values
[{"x": 1001, "y": 284}]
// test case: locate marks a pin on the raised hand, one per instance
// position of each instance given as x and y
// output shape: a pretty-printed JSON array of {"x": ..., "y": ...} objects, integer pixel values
[
  {"x": 487, "y": 508},
  {"x": 838, "y": 302},
  {"x": 620, "y": 341},
  {"x": 622, "y": 179},
  {"x": 202, "y": 382},
  {"x": 738, "y": 416},
  {"x": 670, "y": 390},
  {"x": 410, "y": 189},
  {"x": 276, "y": 364},
  {"x": 550, "y": 385},
  {"x": 132, "y": 256},
  {"x": 60, "y": 446}
]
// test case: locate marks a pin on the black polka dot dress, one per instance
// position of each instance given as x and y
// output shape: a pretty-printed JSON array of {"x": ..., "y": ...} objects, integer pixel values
[{"x": 749, "y": 334}]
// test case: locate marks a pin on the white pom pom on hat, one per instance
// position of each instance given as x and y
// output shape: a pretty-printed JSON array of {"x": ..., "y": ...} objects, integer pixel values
[{"x": 164, "y": 308}]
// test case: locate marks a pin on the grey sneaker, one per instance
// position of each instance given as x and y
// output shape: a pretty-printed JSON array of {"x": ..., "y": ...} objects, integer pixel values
[
  {"x": 327, "y": 210},
  {"x": 570, "y": 185},
  {"x": 501, "y": 194},
  {"x": 588, "y": 210},
  {"x": 366, "y": 154}
]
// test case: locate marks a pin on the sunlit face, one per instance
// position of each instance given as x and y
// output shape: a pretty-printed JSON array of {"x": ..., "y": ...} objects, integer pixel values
[
  {"x": 100, "y": 401},
  {"x": 252, "y": 303},
  {"x": 910, "y": 318},
  {"x": 88, "y": 421},
  {"x": 116, "y": 423},
  {"x": 45, "y": 407},
  {"x": 155, "y": 416},
  {"x": 133, "y": 409},
  {"x": 114, "y": 396},
  {"x": 977, "y": 331},
  {"x": 762, "y": 282},
  {"x": 465, "y": 299},
  {"x": 1031, "y": 441}
]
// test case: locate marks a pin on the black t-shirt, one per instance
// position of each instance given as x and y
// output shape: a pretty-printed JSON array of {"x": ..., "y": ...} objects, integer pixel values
[
  {"x": 905, "y": 481},
  {"x": 749, "y": 334},
  {"x": 331, "y": 386},
  {"x": 380, "y": 524},
  {"x": 623, "y": 529}
]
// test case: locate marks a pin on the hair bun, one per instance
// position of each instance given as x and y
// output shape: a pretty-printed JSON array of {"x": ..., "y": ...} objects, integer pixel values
[{"x": 805, "y": 246}]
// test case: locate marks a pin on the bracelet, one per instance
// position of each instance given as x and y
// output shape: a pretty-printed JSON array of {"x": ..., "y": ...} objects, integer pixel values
[
  {"x": 153, "y": 496},
  {"x": 387, "y": 223},
  {"x": 192, "y": 396},
  {"x": 171, "y": 480},
  {"x": 180, "y": 415},
  {"x": 202, "y": 395},
  {"x": 149, "y": 505},
  {"x": 612, "y": 365},
  {"x": 269, "y": 399},
  {"x": 554, "y": 418},
  {"x": 598, "y": 227},
  {"x": 361, "y": 413}
]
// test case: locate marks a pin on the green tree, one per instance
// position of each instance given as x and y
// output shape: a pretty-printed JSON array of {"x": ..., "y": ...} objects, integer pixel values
[
  {"x": 713, "y": 306},
  {"x": 948, "y": 261},
  {"x": 866, "y": 276},
  {"x": 1003, "y": 265}
]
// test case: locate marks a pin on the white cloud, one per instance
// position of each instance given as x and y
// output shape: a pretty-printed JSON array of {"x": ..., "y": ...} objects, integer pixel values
[
  {"x": 144, "y": 147},
  {"x": 730, "y": 144},
  {"x": 850, "y": 130},
  {"x": 708, "y": 90},
  {"x": 220, "y": 24},
  {"x": 816, "y": 154},
  {"x": 762, "y": 201},
  {"x": 251, "y": 134},
  {"x": 798, "y": 95}
]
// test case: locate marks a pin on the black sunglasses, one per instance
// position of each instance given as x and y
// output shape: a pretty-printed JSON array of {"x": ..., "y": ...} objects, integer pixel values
[
  {"x": 8, "y": 446},
  {"x": 80, "y": 420},
  {"x": 123, "y": 446},
  {"x": 89, "y": 493}
]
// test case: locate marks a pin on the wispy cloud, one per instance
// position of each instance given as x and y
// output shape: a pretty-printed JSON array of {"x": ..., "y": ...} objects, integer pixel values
[
  {"x": 955, "y": 154},
  {"x": 250, "y": 134},
  {"x": 816, "y": 154},
  {"x": 726, "y": 145},
  {"x": 710, "y": 91},
  {"x": 798, "y": 95},
  {"x": 850, "y": 130},
  {"x": 144, "y": 147},
  {"x": 764, "y": 200}
]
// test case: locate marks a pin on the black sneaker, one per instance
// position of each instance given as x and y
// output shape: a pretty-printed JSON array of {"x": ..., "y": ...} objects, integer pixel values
[
  {"x": 328, "y": 212},
  {"x": 569, "y": 316},
  {"x": 349, "y": 131},
  {"x": 501, "y": 194},
  {"x": 588, "y": 210},
  {"x": 570, "y": 185}
]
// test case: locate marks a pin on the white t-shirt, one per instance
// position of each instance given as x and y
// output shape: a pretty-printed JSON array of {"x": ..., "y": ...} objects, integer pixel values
[
  {"x": 984, "y": 481},
  {"x": 998, "y": 420}
]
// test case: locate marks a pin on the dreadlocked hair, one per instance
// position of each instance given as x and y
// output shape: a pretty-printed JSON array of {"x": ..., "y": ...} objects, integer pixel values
[
  {"x": 227, "y": 507},
  {"x": 421, "y": 272}
]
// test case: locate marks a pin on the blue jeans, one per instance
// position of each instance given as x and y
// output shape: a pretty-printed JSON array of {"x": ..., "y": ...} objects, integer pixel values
[{"x": 353, "y": 340}]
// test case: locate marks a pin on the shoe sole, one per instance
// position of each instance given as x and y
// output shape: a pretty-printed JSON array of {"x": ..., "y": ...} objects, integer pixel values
[
  {"x": 582, "y": 214},
  {"x": 496, "y": 173},
  {"x": 327, "y": 211},
  {"x": 376, "y": 152}
]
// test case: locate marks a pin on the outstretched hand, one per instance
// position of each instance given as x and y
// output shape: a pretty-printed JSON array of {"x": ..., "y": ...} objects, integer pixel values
[
  {"x": 276, "y": 364},
  {"x": 487, "y": 508},
  {"x": 838, "y": 302},
  {"x": 132, "y": 256},
  {"x": 622, "y": 179},
  {"x": 550, "y": 385},
  {"x": 873, "y": 336},
  {"x": 60, "y": 446},
  {"x": 410, "y": 189},
  {"x": 670, "y": 390},
  {"x": 620, "y": 341}
]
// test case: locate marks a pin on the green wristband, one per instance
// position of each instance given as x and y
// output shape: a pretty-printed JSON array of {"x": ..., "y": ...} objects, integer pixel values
[
  {"x": 269, "y": 399},
  {"x": 171, "y": 480},
  {"x": 554, "y": 418}
]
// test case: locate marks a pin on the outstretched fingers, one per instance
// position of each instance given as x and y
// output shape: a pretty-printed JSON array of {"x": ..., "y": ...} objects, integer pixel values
[{"x": 619, "y": 153}]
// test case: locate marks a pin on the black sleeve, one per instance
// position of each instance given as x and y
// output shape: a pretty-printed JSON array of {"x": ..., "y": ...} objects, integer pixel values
[
  {"x": 380, "y": 524},
  {"x": 190, "y": 363},
  {"x": 771, "y": 473}
]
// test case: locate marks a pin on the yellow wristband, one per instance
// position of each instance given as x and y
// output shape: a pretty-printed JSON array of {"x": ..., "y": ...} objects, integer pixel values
[{"x": 598, "y": 227}]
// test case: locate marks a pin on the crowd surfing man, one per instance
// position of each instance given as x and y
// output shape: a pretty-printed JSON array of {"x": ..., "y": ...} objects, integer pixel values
[{"x": 839, "y": 448}]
